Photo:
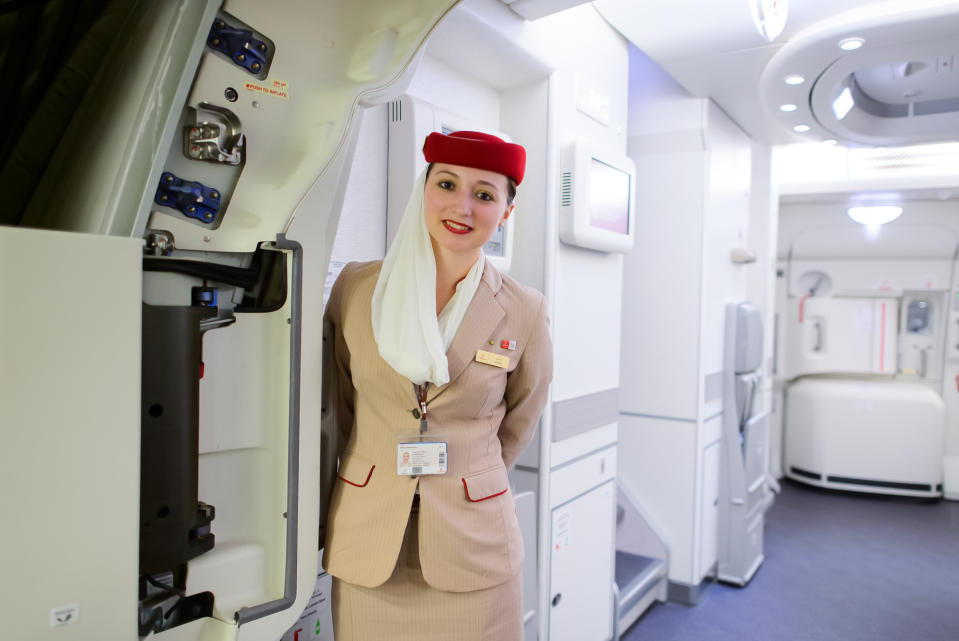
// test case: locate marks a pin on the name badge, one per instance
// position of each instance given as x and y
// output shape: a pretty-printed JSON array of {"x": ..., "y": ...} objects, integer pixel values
[
  {"x": 496, "y": 360},
  {"x": 421, "y": 458}
]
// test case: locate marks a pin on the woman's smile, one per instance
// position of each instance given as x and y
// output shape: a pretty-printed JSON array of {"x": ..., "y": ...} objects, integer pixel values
[{"x": 455, "y": 227}]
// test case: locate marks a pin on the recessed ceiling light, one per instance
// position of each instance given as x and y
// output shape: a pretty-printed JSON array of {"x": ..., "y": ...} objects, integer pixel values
[
  {"x": 843, "y": 104},
  {"x": 801, "y": 129},
  {"x": 829, "y": 142},
  {"x": 851, "y": 44},
  {"x": 795, "y": 79},
  {"x": 875, "y": 215},
  {"x": 787, "y": 108}
]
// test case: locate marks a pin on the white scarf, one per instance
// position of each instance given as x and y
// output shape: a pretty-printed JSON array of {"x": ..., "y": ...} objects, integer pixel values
[{"x": 407, "y": 331}]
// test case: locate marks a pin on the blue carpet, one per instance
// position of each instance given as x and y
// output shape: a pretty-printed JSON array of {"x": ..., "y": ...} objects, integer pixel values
[{"x": 839, "y": 567}]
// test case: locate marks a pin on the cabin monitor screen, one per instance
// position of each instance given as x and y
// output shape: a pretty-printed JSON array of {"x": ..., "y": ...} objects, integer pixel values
[
  {"x": 496, "y": 246},
  {"x": 609, "y": 198}
]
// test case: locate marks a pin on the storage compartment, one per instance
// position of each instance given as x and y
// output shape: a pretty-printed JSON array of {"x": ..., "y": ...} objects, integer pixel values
[
  {"x": 709, "y": 509},
  {"x": 581, "y": 566},
  {"x": 865, "y": 435}
]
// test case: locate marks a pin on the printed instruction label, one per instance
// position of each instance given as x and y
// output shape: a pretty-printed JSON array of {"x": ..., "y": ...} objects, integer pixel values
[
  {"x": 276, "y": 88},
  {"x": 64, "y": 615}
]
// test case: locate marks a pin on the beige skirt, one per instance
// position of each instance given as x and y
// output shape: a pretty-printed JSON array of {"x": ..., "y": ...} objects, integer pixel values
[{"x": 406, "y": 608}]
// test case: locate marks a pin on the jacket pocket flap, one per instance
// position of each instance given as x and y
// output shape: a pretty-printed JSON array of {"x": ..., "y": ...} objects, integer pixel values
[
  {"x": 355, "y": 470},
  {"x": 485, "y": 485}
]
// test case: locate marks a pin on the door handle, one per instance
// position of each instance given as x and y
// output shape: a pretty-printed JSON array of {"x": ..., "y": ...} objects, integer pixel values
[
  {"x": 923, "y": 362},
  {"x": 818, "y": 328}
]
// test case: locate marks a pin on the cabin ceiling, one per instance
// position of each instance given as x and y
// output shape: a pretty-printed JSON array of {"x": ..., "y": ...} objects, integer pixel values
[{"x": 902, "y": 82}]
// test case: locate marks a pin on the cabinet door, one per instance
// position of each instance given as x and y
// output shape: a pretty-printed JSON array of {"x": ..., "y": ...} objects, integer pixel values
[
  {"x": 709, "y": 511},
  {"x": 581, "y": 567}
]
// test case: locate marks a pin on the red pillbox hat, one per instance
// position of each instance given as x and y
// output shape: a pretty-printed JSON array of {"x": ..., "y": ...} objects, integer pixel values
[{"x": 477, "y": 150}]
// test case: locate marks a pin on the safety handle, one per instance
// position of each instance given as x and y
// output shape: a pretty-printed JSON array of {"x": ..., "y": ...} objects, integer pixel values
[
  {"x": 923, "y": 362},
  {"x": 246, "y": 614},
  {"x": 817, "y": 347}
]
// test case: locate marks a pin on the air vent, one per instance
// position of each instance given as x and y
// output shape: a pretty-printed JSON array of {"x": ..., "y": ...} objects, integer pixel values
[
  {"x": 566, "y": 189},
  {"x": 396, "y": 111},
  {"x": 897, "y": 158}
]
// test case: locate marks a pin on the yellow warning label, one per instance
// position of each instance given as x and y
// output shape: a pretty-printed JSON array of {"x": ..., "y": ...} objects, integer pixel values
[
  {"x": 276, "y": 88},
  {"x": 496, "y": 360}
]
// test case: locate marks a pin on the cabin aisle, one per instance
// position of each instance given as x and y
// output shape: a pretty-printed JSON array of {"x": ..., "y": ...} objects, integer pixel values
[{"x": 838, "y": 567}]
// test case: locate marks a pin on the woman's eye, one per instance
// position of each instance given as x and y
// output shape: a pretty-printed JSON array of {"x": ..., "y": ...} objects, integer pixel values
[
  {"x": 483, "y": 195},
  {"x": 444, "y": 184}
]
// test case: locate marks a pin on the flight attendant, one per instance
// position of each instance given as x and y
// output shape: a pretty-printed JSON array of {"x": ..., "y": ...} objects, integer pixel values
[{"x": 442, "y": 368}]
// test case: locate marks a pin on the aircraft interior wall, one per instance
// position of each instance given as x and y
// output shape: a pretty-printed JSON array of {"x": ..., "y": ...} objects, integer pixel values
[
  {"x": 910, "y": 261},
  {"x": 638, "y": 427},
  {"x": 703, "y": 188}
]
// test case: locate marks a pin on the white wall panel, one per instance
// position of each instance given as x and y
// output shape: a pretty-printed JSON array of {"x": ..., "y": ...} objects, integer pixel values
[
  {"x": 725, "y": 220},
  {"x": 657, "y": 464},
  {"x": 361, "y": 234},
  {"x": 660, "y": 362}
]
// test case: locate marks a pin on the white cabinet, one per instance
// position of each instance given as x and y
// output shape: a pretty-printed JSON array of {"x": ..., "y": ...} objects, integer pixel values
[
  {"x": 709, "y": 506},
  {"x": 694, "y": 169},
  {"x": 581, "y": 560}
]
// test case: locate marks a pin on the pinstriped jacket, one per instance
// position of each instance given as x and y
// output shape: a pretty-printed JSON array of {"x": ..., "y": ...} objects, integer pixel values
[{"x": 469, "y": 538}]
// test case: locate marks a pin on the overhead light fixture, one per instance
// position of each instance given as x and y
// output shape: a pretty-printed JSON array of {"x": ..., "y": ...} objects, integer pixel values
[
  {"x": 794, "y": 79},
  {"x": 829, "y": 142},
  {"x": 787, "y": 108},
  {"x": 851, "y": 44},
  {"x": 875, "y": 214},
  {"x": 770, "y": 17},
  {"x": 843, "y": 104},
  {"x": 801, "y": 129}
]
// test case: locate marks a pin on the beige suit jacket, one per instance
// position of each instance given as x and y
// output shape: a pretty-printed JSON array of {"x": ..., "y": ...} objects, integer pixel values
[{"x": 469, "y": 538}]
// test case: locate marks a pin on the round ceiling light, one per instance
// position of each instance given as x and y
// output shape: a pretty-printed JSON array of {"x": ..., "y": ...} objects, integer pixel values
[
  {"x": 851, "y": 44},
  {"x": 801, "y": 129},
  {"x": 770, "y": 17},
  {"x": 794, "y": 79},
  {"x": 875, "y": 215},
  {"x": 787, "y": 108}
]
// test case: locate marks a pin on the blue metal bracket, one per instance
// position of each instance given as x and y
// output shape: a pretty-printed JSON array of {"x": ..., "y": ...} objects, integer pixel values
[
  {"x": 241, "y": 46},
  {"x": 190, "y": 198}
]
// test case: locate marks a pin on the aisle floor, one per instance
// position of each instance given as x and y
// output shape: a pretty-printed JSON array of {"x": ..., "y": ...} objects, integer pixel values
[{"x": 838, "y": 567}]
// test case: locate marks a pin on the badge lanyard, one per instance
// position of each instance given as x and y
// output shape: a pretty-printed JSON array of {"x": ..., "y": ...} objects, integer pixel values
[
  {"x": 421, "y": 391},
  {"x": 416, "y": 456}
]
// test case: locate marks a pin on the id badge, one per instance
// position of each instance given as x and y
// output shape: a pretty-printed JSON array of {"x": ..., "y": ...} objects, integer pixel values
[{"x": 419, "y": 458}]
